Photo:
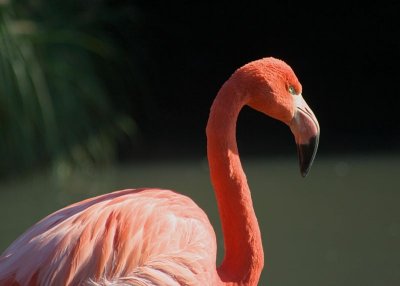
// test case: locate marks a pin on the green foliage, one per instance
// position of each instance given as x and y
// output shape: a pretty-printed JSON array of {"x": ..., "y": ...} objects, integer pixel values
[{"x": 54, "y": 107}]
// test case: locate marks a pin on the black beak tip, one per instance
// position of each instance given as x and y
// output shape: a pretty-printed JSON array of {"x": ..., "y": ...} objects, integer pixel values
[
  {"x": 306, "y": 153},
  {"x": 304, "y": 172}
]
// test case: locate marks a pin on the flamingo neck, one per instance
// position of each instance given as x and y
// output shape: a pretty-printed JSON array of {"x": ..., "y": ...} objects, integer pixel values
[{"x": 244, "y": 257}]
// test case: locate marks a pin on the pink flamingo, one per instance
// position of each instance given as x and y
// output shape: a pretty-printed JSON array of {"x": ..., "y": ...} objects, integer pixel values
[{"x": 159, "y": 237}]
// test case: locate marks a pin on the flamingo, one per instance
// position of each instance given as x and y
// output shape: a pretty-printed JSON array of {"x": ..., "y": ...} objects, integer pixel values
[{"x": 154, "y": 236}]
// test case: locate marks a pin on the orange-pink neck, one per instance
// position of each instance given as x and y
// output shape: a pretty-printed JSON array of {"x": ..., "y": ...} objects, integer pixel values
[{"x": 244, "y": 257}]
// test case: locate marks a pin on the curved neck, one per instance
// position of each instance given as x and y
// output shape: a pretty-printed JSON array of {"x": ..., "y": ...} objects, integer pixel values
[{"x": 244, "y": 257}]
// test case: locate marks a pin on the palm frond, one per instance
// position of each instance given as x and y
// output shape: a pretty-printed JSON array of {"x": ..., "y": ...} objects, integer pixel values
[{"x": 53, "y": 107}]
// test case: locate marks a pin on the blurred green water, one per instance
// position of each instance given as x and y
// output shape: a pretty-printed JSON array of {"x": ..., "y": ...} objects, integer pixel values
[{"x": 339, "y": 226}]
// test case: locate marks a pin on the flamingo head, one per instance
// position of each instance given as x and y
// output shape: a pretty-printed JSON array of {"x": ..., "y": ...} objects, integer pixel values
[{"x": 273, "y": 88}]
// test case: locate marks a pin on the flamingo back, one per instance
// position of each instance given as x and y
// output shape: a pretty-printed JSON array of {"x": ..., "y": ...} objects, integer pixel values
[{"x": 129, "y": 237}]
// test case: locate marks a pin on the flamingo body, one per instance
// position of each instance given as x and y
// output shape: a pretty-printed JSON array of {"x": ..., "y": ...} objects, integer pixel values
[
  {"x": 97, "y": 240},
  {"x": 153, "y": 237}
]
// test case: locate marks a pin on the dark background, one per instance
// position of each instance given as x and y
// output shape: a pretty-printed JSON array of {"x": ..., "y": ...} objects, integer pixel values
[
  {"x": 96, "y": 80},
  {"x": 345, "y": 55}
]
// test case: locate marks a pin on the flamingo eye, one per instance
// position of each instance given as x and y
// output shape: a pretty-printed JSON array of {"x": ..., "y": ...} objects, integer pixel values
[{"x": 291, "y": 90}]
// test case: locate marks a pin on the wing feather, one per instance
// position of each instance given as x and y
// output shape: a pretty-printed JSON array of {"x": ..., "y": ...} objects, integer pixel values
[{"x": 129, "y": 237}]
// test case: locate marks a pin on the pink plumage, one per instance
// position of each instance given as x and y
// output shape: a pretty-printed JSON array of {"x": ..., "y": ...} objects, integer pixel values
[
  {"x": 98, "y": 239},
  {"x": 154, "y": 237}
]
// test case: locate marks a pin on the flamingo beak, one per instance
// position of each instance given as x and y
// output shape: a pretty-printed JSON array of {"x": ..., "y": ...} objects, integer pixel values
[{"x": 305, "y": 129}]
